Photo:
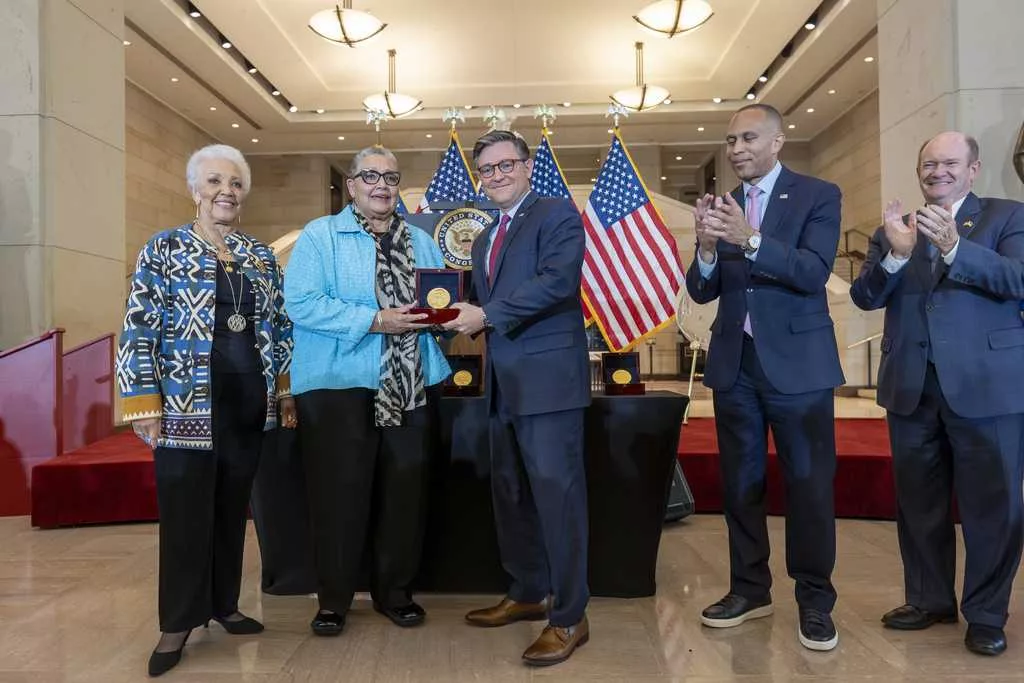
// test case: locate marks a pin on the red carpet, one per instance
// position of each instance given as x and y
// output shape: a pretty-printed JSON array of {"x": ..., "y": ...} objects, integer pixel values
[
  {"x": 112, "y": 480},
  {"x": 864, "y": 478}
]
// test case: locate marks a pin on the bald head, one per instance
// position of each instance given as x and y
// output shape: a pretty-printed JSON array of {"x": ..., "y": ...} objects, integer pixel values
[
  {"x": 947, "y": 166},
  {"x": 753, "y": 141}
]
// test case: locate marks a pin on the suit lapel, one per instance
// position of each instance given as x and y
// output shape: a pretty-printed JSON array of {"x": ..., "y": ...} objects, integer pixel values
[
  {"x": 777, "y": 203},
  {"x": 480, "y": 260},
  {"x": 965, "y": 225},
  {"x": 513, "y": 231}
]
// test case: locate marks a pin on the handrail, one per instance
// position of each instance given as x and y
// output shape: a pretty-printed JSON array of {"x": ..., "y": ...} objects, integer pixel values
[
  {"x": 865, "y": 340},
  {"x": 32, "y": 342},
  {"x": 91, "y": 342}
]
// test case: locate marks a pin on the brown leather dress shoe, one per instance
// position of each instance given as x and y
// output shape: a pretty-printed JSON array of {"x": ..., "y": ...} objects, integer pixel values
[
  {"x": 508, "y": 611},
  {"x": 556, "y": 644}
]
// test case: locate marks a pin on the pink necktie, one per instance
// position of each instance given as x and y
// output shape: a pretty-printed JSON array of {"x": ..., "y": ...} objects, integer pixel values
[
  {"x": 499, "y": 237},
  {"x": 754, "y": 219}
]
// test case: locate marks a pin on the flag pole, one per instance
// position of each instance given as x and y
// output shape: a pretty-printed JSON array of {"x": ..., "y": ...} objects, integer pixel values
[{"x": 616, "y": 111}]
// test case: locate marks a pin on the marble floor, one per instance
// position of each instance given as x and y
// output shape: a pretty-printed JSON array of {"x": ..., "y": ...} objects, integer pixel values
[
  {"x": 701, "y": 405},
  {"x": 78, "y": 605}
]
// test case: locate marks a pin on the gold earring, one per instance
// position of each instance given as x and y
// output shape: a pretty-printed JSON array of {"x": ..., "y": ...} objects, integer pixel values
[{"x": 196, "y": 220}]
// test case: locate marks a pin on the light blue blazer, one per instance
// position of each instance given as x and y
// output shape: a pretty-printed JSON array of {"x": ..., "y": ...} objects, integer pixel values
[{"x": 330, "y": 297}]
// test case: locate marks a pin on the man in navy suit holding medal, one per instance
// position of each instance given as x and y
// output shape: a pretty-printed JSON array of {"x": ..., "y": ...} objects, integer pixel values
[
  {"x": 951, "y": 277},
  {"x": 526, "y": 280},
  {"x": 765, "y": 252}
]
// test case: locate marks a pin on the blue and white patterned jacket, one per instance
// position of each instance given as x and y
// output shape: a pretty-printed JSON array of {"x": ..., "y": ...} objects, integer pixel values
[{"x": 163, "y": 355}]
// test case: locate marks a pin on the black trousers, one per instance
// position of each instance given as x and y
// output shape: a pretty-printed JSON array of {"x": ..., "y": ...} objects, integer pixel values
[
  {"x": 937, "y": 453},
  {"x": 803, "y": 426},
  {"x": 367, "y": 486},
  {"x": 203, "y": 498}
]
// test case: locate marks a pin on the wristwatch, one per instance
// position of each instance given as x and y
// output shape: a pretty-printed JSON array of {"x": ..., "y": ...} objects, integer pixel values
[
  {"x": 487, "y": 323},
  {"x": 752, "y": 244}
]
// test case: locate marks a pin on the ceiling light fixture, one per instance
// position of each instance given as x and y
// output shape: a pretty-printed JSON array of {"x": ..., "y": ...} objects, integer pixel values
[
  {"x": 320, "y": 111},
  {"x": 640, "y": 97},
  {"x": 249, "y": 67},
  {"x": 275, "y": 93},
  {"x": 341, "y": 137},
  {"x": 869, "y": 59},
  {"x": 430, "y": 135},
  {"x": 213, "y": 108},
  {"x": 126, "y": 42},
  {"x": 700, "y": 129},
  {"x": 831, "y": 92},
  {"x": 516, "y": 106},
  {"x": 716, "y": 100},
  {"x": 672, "y": 17},
  {"x": 293, "y": 109},
  {"x": 344, "y": 25},
  {"x": 255, "y": 139},
  {"x": 224, "y": 42},
  {"x": 812, "y": 22},
  {"x": 763, "y": 78},
  {"x": 810, "y": 110},
  {"x": 193, "y": 12},
  {"x": 394, "y": 104},
  {"x": 679, "y": 158},
  {"x": 751, "y": 95},
  {"x": 234, "y": 125},
  {"x": 792, "y": 126},
  {"x": 174, "y": 79}
]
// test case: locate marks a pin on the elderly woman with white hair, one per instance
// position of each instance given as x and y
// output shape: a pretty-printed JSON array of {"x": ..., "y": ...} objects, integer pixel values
[{"x": 202, "y": 366}]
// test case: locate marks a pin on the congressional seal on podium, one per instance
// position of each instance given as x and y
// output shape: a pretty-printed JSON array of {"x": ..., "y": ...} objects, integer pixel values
[{"x": 455, "y": 233}]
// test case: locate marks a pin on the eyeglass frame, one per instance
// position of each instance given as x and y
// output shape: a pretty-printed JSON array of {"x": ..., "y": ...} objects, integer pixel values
[
  {"x": 369, "y": 171},
  {"x": 497, "y": 165}
]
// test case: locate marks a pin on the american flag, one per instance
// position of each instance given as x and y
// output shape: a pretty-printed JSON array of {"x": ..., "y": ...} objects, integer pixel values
[
  {"x": 452, "y": 181},
  {"x": 547, "y": 179},
  {"x": 400, "y": 207},
  {"x": 631, "y": 270}
]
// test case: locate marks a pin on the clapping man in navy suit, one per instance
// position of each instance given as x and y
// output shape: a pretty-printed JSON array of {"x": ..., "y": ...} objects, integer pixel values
[
  {"x": 951, "y": 277},
  {"x": 526, "y": 279},
  {"x": 765, "y": 252}
]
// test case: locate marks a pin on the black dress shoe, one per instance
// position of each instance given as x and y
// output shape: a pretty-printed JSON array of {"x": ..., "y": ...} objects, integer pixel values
[
  {"x": 985, "y": 640},
  {"x": 327, "y": 623},
  {"x": 817, "y": 631},
  {"x": 911, "y": 618},
  {"x": 404, "y": 616},
  {"x": 246, "y": 626},
  {"x": 162, "y": 662},
  {"x": 733, "y": 610}
]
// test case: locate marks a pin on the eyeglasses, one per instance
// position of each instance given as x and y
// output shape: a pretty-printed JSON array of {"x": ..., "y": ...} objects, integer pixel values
[
  {"x": 391, "y": 178},
  {"x": 505, "y": 166}
]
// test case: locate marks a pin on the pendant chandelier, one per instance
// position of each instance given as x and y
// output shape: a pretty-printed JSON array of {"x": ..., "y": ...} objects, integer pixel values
[
  {"x": 344, "y": 25},
  {"x": 672, "y": 17},
  {"x": 395, "y": 105},
  {"x": 642, "y": 96}
]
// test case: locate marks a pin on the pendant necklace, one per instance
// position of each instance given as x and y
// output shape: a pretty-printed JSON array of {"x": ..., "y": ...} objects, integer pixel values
[{"x": 236, "y": 321}]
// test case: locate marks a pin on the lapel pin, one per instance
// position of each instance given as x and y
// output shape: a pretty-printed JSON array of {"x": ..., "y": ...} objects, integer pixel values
[
  {"x": 968, "y": 223},
  {"x": 784, "y": 196}
]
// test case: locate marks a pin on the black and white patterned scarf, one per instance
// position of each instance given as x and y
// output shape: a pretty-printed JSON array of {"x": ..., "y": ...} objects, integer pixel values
[{"x": 401, "y": 371}]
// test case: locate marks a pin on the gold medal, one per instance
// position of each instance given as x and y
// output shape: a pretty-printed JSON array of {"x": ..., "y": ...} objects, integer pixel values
[
  {"x": 438, "y": 297},
  {"x": 622, "y": 377},
  {"x": 462, "y": 378}
]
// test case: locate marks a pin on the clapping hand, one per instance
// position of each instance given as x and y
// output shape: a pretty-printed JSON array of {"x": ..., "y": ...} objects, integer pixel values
[{"x": 902, "y": 237}]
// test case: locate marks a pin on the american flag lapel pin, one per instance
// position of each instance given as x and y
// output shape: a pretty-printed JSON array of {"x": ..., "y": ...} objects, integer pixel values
[{"x": 968, "y": 224}]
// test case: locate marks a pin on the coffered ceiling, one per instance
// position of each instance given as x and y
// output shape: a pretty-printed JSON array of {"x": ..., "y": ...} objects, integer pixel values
[{"x": 478, "y": 53}]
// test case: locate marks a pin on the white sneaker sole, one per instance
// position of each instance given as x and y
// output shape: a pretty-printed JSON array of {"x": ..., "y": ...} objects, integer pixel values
[
  {"x": 756, "y": 613},
  {"x": 817, "y": 645}
]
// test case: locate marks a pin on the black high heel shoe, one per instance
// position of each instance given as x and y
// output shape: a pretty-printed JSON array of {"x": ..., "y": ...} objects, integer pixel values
[
  {"x": 162, "y": 662},
  {"x": 246, "y": 626}
]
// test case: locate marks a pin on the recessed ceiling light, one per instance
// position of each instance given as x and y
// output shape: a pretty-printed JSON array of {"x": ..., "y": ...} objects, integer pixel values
[
  {"x": 664, "y": 178},
  {"x": 255, "y": 139},
  {"x": 341, "y": 137},
  {"x": 668, "y": 101},
  {"x": 319, "y": 111},
  {"x": 679, "y": 158},
  {"x": 810, "y": 26},
  {"x": 792, "y": 126},
  {"x": 234, "y": 125},
  {"x": 293, "y": 109},
  {"x": 469, "y": 106},
  {"x": 810, "y": 110},
  {"x": 593, "y": 180},
  {"x": 869, "y": 59},
  {"x": 716, "y": 100},
  {"x": 430, "y": 135},
  {"x": 193, "y": 12},
  {"x": 700, "y": 129},
  {"x": 213, "y": 108},
  {"x": 226, "y": 44},
  {"x": 831, "y": 92},
  {"x": 174, "y": 79},
  {"x": 763, "y": 78},
  {"x": 516, "y": 106},
  {"x": 275, "y": 93},
  {"x": 127, "y": 43},
  {"x": 566, "y": 104},
  {"x": 751, "y": 96}
]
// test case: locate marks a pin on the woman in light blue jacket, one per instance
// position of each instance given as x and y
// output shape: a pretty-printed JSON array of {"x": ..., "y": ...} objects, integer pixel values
[{"x": 366, "y": 377}]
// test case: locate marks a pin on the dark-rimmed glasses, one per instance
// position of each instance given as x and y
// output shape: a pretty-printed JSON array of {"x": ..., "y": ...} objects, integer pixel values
[
  {"x": 371, "y": 177},
  {"x": 505, "y": 166}
]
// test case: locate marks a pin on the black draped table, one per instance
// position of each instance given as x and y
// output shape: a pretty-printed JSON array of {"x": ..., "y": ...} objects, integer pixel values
[{"x": 630, "y": 450}]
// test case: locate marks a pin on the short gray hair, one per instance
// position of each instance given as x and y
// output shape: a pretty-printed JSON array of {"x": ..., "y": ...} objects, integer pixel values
[
  {"x": 209, "y": 152},
  {"x": 375, "y": 151}
]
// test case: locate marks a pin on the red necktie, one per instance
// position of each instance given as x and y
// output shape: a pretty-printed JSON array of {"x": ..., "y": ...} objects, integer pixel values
[{"x": 499, "y": 237}]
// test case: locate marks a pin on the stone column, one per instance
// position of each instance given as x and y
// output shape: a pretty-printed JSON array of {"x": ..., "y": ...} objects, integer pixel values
[
  {"x": 950, "y": 64},
  {"x": 62, "y": 190}
]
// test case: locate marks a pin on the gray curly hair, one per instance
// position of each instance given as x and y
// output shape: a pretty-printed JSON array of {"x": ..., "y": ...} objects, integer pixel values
[{"x": 225, "y": 152}]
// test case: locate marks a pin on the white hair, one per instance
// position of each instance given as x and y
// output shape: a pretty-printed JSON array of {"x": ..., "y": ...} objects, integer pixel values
[
  {"x": 375, "y": 151},
  {"x": 209, "y": 152}
]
